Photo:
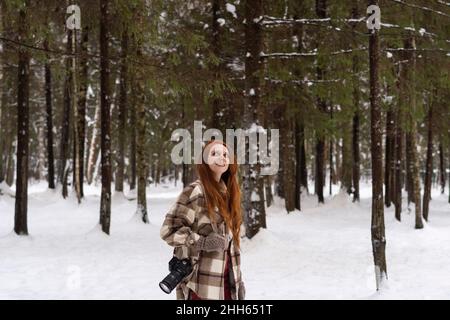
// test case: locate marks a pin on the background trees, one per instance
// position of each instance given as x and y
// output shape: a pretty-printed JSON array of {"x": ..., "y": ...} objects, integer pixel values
[{"x": 302, "y": 67}]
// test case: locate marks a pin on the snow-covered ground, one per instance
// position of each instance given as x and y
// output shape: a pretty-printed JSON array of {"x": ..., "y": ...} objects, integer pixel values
[{"x": 323, "y": 252}]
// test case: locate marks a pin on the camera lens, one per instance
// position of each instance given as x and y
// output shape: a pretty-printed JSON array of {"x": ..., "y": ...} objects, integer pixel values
[{"x": 164, "y": 287}]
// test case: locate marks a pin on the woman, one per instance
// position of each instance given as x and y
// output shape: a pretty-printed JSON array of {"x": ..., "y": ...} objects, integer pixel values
[{"x": 203, "y": 226}]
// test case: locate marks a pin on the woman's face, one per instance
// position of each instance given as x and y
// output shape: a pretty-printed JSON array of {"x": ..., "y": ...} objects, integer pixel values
[{"x": 218, "y": 159}]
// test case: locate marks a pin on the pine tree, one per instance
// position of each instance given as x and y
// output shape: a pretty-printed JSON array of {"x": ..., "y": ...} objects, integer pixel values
[
  {"x": 20, "y": 219},
  {"x": 252, "y": 184},
  {"x": 378, "y": 233},
  {"x": 105, "y": 204}
]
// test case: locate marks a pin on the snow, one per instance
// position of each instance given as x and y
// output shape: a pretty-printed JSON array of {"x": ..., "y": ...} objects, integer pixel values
[
  {"x": 221, "y": 21},
  {"x": 231, "y": 8},
  {"x": 322, "y": 252},
  {"x": 254, "y": 196}
]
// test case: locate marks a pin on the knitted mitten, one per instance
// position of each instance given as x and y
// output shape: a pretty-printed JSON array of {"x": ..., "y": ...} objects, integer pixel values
[{"x": 212, "y": 242}]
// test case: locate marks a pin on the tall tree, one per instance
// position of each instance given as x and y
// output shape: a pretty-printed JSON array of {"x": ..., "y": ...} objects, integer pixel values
[
  {"x": 429, "y": 161},
  {"x": 321, "y": 12},
  {"x": 441, "y": 167},
  {"x": 123, "y": 101},
  {"x": 105, "y": 202},
  {"x": 411, "y": 135},
  {"x": 253, "y": 184},
  {"x": 63, "y": 167},
  {"x": 141, "y": 159},
  {"x": 23, "y": 78},
  {"x": 49, "y": 120},
  {"x": 82, "y": 105},
  {"x": 399, "y": 137},
  {"x": 356, "y": 105},
  {"x": 77, "y": 157},
  {"x": 378, "y": 233}
]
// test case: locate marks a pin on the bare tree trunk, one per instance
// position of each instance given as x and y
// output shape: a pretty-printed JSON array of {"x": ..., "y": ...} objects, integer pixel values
[
  {"x": 389, "y": 145},
  {"x": 217, "y": 116},
  {"x": 399, "y": 162},
  {"x": 3, "y": 96},
  {"x": 378, "y": 233},
  {"x": 94, "y": 145},
  {"x": 356, "y": 114},
  {"x": 123, "y": 101},
  {"x": 253, "y": 184},
  {"x": 65, "y": 126},
  {"x": 347, "y": 158},
  {"x": 411, "y": 135},
  {"x": 74, "y": 105},
  {"x": 287, "y": 152},
  {"x": 355, "y": 151},
  {"x": 321, "y": 11},
  {"x": 82, "y": 104},
  {"x": 105, "y": 202},
  {"x": 132, "y": 129},
  {"x": 21, "y": 205},
  {"x": 269, "y": 193},
  {"x": 299, "y": 153},
  {"x": 441, "y": 168},
  {"x": 49, "y": 121},
  {"x": 141, "y": 159},
  {"x": 429, "y": 164},
  {"x": 409, "y": 169}
]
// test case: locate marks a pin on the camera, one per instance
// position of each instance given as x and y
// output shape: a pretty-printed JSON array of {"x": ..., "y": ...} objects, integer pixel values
[{"x": 179, "y": 269}]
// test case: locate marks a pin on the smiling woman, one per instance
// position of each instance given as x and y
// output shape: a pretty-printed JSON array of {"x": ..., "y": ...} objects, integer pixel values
[{"x": 204, "y": 226}]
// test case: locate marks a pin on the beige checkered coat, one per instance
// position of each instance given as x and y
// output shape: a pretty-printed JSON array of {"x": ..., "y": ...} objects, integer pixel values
[{"x": 185, "y": 222}]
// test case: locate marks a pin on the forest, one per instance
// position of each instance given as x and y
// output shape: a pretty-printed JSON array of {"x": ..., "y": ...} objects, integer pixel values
[{"x": 92, "y": 91}]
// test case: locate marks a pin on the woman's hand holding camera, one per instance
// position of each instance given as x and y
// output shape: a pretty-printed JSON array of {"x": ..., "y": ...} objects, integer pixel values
[{"x": 212, "y": 242}]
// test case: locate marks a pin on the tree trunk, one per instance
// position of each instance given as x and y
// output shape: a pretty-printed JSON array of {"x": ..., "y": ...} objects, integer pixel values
[
  {"x": 49, "y": 121},
  {"x": 389, "y": 145},
  {"x": 378, "y": 233},
  {"x": 399, "y": 162},
  {"x": 74, "y": 104},
  {"x": 123, "y": 101},
  {"x": 82, "y": 104},
  {"x": 299, "y": 150},
  {"x": 287, "y": 152},
  {"x": 253, "y": 184},
  {"x": 105, "y": 202},
  {"x": 347, "y": 158},
  {"x": 268, "y": 187},
  {"x": 321, "y": 11},
  {"x": 132, "y": 128},
  {"x": 356, "y": 114},
  {"x": 141, "y": 159},
  {"x": 429, "y": 164},
  {"x": 409, "y": 168},
  {"x": 441, "y": 168},
  {"x": 217, "y": 112},
  {"x": 94, "y": 145},
  {"x": 21, "y": 205},
  {"x": 65, "y": 126},
  {"x": 412, "y": 134}
]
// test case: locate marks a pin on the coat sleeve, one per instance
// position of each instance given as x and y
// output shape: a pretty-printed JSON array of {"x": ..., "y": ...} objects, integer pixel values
[{"x": 177, "y": 226}]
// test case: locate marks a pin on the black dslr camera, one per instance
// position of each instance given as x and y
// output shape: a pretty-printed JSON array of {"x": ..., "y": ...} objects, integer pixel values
[{"x": 179, "y": 269}]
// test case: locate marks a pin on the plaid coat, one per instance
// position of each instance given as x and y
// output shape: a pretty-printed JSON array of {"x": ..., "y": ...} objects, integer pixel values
[{"x": 184, "y": 224}]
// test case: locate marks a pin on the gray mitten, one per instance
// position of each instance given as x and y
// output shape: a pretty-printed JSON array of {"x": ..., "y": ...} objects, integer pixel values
[
  {"x": 241, "y": 293},
  {"x": 212, "y": 242}
]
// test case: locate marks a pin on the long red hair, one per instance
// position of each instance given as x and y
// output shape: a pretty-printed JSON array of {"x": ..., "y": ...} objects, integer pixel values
[{"x": 229, "y": 203}]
